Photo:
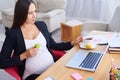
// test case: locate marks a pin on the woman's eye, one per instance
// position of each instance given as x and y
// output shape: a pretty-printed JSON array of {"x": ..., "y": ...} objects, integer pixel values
[
  {"x": 35, "y": 10},
  {"x": 32, "y": 12}
]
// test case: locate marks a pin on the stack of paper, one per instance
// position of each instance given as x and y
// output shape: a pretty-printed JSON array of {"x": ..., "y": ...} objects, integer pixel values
[
  {"x": 114, "y": 49},
  {"x": 114, "y": 44}
]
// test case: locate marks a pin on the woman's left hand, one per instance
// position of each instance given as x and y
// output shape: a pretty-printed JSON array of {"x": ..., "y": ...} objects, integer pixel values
[{"x": 77, "y": 40}]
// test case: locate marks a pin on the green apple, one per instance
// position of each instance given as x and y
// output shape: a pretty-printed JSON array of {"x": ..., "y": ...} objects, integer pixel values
[{"x": 37, "y": 45}]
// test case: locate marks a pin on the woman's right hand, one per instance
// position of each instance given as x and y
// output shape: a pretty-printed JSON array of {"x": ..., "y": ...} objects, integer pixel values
[{"x": 29, "y": 53}]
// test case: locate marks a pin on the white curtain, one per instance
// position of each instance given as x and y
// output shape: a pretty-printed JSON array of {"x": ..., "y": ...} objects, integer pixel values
[{"x": 91, "y": 9}]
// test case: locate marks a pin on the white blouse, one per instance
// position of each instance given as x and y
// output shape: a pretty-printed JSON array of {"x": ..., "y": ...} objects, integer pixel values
[{"x": 40, "y": 62}]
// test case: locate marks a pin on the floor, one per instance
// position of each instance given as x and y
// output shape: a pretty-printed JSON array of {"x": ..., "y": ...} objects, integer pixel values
[
  {"x": 2, "y": 35},
  {"x": 0, "y": 18},
  {"x": 56, "y": 35}
]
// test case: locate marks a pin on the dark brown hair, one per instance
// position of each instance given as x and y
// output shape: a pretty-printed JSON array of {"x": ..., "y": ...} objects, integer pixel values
[{"x": 21, "y": 12}]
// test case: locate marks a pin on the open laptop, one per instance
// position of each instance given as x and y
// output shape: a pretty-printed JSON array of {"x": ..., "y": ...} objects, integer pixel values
[{"x": 86, "y": 60}]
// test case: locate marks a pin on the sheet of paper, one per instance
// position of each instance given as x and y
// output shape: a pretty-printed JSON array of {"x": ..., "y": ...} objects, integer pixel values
[{"x": 101, "y": 39}]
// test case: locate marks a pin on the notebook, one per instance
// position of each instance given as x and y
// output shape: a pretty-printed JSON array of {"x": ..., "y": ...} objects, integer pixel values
[{"x": 86, "y": 60}]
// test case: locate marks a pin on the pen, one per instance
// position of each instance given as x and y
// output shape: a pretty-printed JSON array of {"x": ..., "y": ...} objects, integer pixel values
[
  {"x": 112, "y": 64},
  {"x": 115, "y": 67}
]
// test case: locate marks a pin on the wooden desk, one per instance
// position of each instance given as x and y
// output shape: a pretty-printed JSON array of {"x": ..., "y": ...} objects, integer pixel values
[{"x": 60, "y": 72}]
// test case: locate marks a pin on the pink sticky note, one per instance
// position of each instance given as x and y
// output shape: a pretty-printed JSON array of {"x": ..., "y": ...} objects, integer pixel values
[{"x": 77, "y": 76}]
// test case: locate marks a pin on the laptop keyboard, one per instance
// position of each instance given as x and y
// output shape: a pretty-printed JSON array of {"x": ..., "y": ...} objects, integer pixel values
[{"x": 91, "y": 60}]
